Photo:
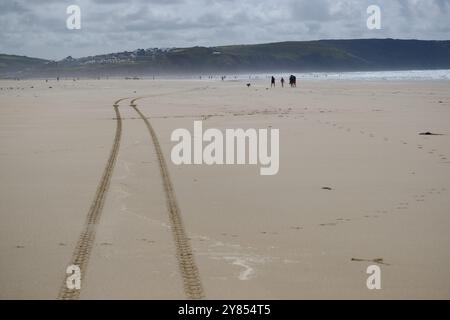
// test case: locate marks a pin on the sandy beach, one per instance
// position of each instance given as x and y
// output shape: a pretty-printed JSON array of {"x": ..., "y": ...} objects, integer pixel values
[{"x": 357, "y": 186}]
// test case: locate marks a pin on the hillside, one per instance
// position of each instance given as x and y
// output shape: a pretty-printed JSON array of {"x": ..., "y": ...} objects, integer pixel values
[
  {"x": 12, "y": 64},
  {"x": 322, "y": 55}
]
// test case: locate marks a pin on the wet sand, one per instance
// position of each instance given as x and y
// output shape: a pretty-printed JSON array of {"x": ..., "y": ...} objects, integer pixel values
[{"x": 357, "y": 183}]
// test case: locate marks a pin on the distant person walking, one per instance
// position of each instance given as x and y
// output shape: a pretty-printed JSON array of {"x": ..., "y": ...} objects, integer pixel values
[
  {"x": 282, "y": 82},
  {"x": 272, "y": 82},
  {"x": 293, "y": 81}
]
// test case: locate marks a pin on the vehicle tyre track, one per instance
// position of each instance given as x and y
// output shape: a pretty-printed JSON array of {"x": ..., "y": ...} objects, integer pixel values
[
  {"x": 186, "y": 262},
  {"x": 85, "y": 242}
]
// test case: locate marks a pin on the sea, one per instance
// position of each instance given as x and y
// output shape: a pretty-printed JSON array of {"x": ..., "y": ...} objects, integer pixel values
[{"x": 404, "y": 75}]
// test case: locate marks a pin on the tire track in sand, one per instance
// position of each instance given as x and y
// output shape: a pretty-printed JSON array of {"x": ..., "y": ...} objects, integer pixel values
[
  {"x": 82, "y": 251},
  {"x": 186, "y": 262}
]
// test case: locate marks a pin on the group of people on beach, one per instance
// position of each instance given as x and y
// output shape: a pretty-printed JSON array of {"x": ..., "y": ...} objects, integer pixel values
[{"x": 292, "y": 81}]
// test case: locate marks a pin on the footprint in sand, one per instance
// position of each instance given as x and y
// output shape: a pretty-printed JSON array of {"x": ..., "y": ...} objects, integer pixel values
[
  {"x": 342, "y": 220},
  {"x": 153, "y": 241},
  {"x": 420, "y": 198},
  {"x": 330, "y": 224}
]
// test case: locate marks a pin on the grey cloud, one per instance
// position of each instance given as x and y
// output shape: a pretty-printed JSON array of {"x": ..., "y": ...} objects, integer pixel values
[{"x": 37, "y": 28}]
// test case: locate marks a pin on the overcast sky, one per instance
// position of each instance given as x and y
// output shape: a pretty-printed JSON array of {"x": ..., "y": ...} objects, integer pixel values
[{"x": 38, "y": 28}]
